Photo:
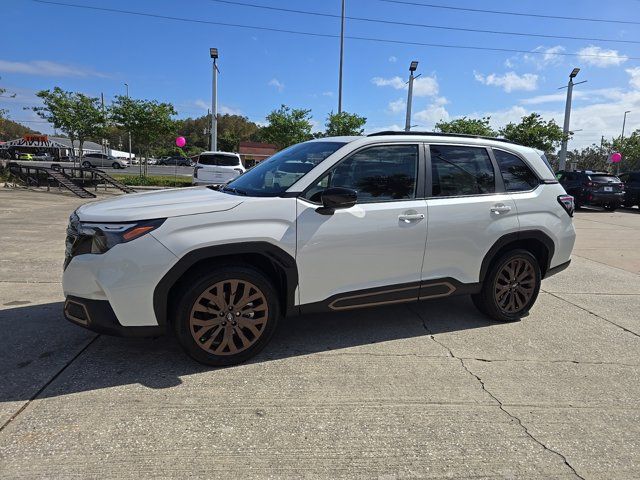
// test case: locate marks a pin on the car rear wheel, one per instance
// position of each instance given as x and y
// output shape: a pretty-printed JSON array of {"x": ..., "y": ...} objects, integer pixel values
[
  {"x": 511, "y": 287},
  {"x": 227, "y": 316},
  {"x": 611, "y": 207},
  {"x": 86, "y": 164},
  {"x": 115, "y": 165}
]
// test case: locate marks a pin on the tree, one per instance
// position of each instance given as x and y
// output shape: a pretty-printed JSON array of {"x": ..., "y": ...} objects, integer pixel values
[
  {"x": 629, "y": 147},
  {"x": 467, "y": 126},
  {"x": 344, "y": 124},
  {"x": 534, "y": 132},
  {"x": 149, "y": 121},
  {"x": 287, "y": 126},
  {"x": 10, "y": 130},
  {"x": 75, "y": 114}
]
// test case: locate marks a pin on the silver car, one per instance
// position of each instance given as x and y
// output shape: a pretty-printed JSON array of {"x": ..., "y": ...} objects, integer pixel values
[{"x": 101, "y": 160}]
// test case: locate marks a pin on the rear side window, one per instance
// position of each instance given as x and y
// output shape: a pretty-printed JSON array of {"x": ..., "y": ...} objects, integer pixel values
[
  {"x": 219, "y": 160},
  {"x": 517, "y": 176},
  {"x": 461, "y": 171}
]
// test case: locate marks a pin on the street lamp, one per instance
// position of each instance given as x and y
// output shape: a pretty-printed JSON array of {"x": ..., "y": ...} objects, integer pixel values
[
  {"x": 127, "y": 86},
  {"x": 213, "y": 52},
  {"x": 624, "y": 124},
  {"x": 412, "y": 68},
  {"x": 341, "y": 60},
  {"x": 567, "y": 118}
]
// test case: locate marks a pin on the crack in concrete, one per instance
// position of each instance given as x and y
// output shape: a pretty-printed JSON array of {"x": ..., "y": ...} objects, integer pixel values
[
  {"x": 497, "y": 401},
  {"x": 49, "y": 382},
  {"x": 593, "y": 313}
]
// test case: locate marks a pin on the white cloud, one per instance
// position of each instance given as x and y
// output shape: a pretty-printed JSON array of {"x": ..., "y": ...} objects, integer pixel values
[
  {"x": 393, "y": 59},
  {"x": 274, "y": 82},
  {"x": 547, "y": 56},
  {"x": 601, "y": 57},
  {"x": 225, "y": 110},
  {"x": 434, "y": 112},
  {"x": 510, "y": 81},
  {"x": 327, "y": 94},
  {"x": 47, "y": 69},
  {"x": 634, "y": 81},
  {"x": 397, "y": 106},
  {"x": 423, "y": 86},
  {"x": 202, "y": 104}
]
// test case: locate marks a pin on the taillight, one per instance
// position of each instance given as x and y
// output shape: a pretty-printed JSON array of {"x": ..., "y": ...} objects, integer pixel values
[
  {"x": 195, "y": 171},
  {"x": 567, "y": 203}
]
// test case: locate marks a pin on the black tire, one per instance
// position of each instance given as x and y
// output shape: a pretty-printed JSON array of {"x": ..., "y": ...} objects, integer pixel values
[
  {"x": 611, "y": 207},
  {"x": 86, "y": 164},
  {"x": 115, "y": 165},
  {"x": 494, "y": 287},
  {"x": 244, "y": 325}
]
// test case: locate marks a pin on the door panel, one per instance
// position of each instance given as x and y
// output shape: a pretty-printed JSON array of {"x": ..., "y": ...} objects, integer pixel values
[
  {"x": 366, "y": 246},
  {"x": 461, "y": 232}
]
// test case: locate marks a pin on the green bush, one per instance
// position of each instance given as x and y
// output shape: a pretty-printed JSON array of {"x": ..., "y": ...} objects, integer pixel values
[{"x": 153, "y": 181}]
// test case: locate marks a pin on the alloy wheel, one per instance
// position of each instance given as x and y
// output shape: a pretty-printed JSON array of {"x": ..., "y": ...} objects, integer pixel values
[
  {"x": 515, "y": 285},
  {"x": 228, "y": 317}
]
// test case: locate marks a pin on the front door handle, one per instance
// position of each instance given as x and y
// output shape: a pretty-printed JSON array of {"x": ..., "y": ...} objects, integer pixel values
[
  {"x": 411, "y": 217},
  {"x": 500, "y": 209}
]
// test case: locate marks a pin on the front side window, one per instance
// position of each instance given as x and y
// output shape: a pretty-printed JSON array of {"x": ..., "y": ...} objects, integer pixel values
[
  {"x": 378, "y": 174},
  {"x": 272, "y": 177},
  {"x": 459, "y": 170},
  {"x": 517, "y": 176}
]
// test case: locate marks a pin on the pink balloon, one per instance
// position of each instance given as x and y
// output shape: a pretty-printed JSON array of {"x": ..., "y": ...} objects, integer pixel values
[
  {"x": 616, "y": 157},
  {"x": 181, "y": 142}
]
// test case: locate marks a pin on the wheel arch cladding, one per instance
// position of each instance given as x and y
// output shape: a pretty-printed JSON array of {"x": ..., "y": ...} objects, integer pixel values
[
  {"x": 276, "y": 264},
  {"x": 538, "y": 243}
]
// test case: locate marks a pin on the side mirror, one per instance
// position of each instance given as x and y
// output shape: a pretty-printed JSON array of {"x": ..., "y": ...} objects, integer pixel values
[{"x": 335, "y": 198}]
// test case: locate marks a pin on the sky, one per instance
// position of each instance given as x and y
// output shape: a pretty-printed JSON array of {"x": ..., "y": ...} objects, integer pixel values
[{"x": 44, "y": 45}]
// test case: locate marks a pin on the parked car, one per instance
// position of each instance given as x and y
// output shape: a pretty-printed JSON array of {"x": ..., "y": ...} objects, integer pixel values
[
  {"x": 385, "y": 219},
  {"x": 175, "y": 161},
  {"x": 217, "y": 168},
  {"x": 101, "y": 160},
  {"x": 44, "y": 157},
  {"x": 593, "y": 188},
  {"x": 25, "y": 156},
  {"x": 631, "y": 182}
]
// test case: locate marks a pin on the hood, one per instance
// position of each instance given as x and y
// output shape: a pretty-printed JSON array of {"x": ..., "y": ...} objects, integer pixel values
[{"x": 158, "y": 204}]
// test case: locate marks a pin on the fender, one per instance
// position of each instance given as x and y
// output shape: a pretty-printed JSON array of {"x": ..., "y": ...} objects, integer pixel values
[
  {"x": 515, "y": 237},
  {"x": 278, "y": 256}
]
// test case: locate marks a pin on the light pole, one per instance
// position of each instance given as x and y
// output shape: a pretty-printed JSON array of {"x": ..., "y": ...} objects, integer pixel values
[
  {"x": 214, "y": 101},
  {"x": 341, "y": 60},
  {"x": 567, "y": 118},
  {"x": 127, "y": 86},
  {"x": 412, "y": 68},
  {"x": 624, "y": 124}
]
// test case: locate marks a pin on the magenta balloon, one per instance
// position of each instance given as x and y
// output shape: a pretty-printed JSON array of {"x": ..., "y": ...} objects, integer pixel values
[
  {"x": 181, "y": 142},
  {"x": 616, "y": 157}
]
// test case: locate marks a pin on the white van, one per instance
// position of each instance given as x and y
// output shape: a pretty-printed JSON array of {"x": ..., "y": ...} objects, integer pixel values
[{"x": 217, "y": 168}]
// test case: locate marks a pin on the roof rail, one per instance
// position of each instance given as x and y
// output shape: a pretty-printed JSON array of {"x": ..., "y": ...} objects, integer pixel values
[{"x": 438, "y": 134}]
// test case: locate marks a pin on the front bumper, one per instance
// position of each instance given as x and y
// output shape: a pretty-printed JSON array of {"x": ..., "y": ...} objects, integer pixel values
[{"x": 99, "y": 317}]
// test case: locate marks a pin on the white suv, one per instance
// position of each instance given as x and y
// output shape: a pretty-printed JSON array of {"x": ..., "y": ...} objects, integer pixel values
[
  {"x": 360, "y": 222},
  {"x": 217, "y": 168}
]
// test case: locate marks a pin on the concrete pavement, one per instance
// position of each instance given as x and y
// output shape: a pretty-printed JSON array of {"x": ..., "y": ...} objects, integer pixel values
[{"x": 421, "y": 391}]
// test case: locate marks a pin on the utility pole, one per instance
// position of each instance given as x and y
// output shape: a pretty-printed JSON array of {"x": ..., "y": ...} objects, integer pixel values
[
  {"x": 567, "y": 119},
  {"x": 213, "y": 52},
  {"x": 341, "y": 61},
  {"x": 127, "y": 85},
  {"x": 412, "y": 68},
  {"x": 624, "y": 124}
]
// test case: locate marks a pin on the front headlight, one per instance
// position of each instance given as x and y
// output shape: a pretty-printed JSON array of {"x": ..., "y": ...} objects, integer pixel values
[{"x": 105, "y": 236}]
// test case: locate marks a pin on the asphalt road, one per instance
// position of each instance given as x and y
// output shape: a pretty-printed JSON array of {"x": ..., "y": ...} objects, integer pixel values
[
  {"x": 422, "y": 391},
  {"x": 131, "y": 170}
]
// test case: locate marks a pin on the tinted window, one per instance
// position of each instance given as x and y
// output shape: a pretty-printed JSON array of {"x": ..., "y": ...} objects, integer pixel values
[
  {"x": 217, "y": 160},
  {"x": 378, "y": 174},
  {"x": 515, "y": 173},
  {"x": 262, "y": 179},
  {"x": 603, "y": 178},
  {"x": 461, "y": 171}
]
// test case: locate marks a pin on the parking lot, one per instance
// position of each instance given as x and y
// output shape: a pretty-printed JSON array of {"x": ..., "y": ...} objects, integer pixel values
[{"x": 405, "y": 392}]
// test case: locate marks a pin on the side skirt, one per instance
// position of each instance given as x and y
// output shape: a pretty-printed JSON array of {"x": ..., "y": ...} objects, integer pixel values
[{"x": 392, "y": 294}]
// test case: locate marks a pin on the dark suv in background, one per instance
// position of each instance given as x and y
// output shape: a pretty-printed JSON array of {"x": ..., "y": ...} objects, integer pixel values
[
  {"x": 173, "y": 161},
  {"x": 631, "y": 188},
  {"x": 593, "y": 188}
]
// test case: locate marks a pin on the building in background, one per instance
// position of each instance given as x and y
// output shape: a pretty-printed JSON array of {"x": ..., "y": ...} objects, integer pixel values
[
  {"x": 254, "y": 152},
  {"x": 56, "y": 147}
]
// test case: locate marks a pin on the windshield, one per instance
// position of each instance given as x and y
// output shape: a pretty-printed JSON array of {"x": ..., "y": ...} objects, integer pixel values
[
  {"x": 603, "y": 178},
  {"x": 275, "y": 175}
]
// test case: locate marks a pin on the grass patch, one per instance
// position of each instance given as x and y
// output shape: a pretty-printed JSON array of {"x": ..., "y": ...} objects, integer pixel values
[{"x": 153, "y": 180}]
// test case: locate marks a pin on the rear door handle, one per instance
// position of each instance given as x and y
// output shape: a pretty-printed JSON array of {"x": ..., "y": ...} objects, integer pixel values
[
  {"x": 500, "y": 209},
  {"x": 411, "y": 217}
]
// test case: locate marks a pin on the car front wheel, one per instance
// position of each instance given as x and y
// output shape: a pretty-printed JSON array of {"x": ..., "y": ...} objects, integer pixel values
[
  {"x": 227, "y": 316},
  {"x": 86, "y": 164},
  {"x": 511, "y": 287}
]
